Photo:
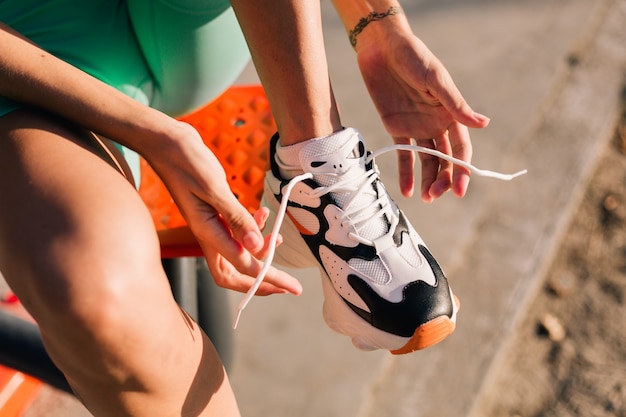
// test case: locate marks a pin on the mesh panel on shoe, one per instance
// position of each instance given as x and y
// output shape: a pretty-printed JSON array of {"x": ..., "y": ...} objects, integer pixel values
[{"x": 375, "y": 270}]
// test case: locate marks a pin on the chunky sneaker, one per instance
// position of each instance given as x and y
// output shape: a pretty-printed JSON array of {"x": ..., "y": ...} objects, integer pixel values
[{"x": 382, "y": 286}]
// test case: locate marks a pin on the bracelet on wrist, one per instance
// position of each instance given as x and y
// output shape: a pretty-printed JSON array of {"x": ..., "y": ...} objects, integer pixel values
[{"x": 373, "y": 16}]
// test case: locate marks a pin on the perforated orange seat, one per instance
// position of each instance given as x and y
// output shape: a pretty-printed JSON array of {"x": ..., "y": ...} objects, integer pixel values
[{"x": 237, "y": 127}]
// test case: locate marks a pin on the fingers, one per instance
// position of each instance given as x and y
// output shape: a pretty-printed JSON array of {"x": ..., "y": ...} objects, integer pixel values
[
  {"x": 439, "y": 176},
  {"x": 461, "y": 149},
  {"x": 236, "y": 268},
  {"x": 406, "y": 164},
  {"x": 436, "y": 173},
  {"x": 244, "y": 227},
  {"x": 443, "y": 88},
  {"x": 228, "y": 276}
]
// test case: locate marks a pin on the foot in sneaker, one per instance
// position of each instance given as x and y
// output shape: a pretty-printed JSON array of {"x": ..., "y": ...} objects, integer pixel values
[{"x": 382, "y": 286}]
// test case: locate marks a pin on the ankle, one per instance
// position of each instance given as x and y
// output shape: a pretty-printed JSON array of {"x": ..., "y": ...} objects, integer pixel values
[{"x": 288, "y": 156}]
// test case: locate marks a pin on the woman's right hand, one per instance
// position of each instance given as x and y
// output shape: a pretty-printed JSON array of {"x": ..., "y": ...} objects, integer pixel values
[
  {"x": 229, "y": 235},
  {"x": 227, "y": 276}
]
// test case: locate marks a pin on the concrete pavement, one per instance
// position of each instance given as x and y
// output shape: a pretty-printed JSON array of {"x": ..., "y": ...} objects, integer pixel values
[{"x": 549, "y": 73}]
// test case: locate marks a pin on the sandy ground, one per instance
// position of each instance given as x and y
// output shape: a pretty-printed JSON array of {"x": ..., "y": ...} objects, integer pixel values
[{"x": 569, "y": 357}]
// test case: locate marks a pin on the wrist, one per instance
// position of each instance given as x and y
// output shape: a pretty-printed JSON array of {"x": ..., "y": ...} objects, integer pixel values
[
  {"x": 371, "y": 17},
  {"x": 371, "y": 22},
  {"x": 157, "y": 136}
]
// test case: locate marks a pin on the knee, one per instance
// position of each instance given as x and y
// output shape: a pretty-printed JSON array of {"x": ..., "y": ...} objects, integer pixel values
[
  {"x": 93, "y": 291},
  {"x": 94, "y": 322}
]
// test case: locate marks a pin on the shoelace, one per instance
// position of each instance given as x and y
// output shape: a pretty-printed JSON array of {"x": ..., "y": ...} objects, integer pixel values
[
  {"x": 359, "y": 213},
  {"x": 371, "y": 175}
]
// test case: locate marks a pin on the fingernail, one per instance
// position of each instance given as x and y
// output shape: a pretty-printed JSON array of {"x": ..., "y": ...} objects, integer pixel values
[
  {"x": 252, "y": 240},
  {"x": 481, "y": 117}
]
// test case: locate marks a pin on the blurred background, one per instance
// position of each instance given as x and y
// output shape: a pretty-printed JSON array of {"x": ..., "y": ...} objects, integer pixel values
[{"x": 549, "y": 74}]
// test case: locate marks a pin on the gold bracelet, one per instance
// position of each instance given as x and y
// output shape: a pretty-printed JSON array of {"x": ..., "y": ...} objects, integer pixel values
[{"x": 373, "y": 16}]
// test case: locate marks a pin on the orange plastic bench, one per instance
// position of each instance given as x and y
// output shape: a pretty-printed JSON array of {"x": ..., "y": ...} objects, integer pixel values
[{"x": 237, "y": 127}]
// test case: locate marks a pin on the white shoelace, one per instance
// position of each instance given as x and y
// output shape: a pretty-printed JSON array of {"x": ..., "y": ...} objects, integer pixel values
[{"x": 370, "y": 177}]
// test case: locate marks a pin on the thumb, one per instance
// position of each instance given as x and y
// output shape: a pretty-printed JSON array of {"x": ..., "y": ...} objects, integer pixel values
[
  {"x": 241, "y": 223},
  {"x": 450, "y": 97}
]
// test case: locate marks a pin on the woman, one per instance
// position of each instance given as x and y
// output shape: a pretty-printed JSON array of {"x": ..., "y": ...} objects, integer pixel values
[{"x": 84, "y": 85}]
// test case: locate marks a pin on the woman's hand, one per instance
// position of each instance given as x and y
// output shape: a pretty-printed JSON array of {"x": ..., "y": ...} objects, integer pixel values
[
  {"x": 227, "y": 276},
  {"x": 229, "y": 236},
  {"x": 417, "y": 99}
]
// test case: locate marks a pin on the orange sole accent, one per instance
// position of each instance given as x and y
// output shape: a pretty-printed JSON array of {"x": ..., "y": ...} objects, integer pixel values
[{"x": 429, "y": 334}]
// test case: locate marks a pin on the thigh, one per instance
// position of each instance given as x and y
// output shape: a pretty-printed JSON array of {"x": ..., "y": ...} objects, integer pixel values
[
  {"x": 194, "y": 49},
  {"x": 78, "y": 247},
  {"x": 68, "y": 211}
]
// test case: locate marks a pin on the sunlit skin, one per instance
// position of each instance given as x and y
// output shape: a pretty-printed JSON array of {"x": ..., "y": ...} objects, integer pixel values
[{"x": 77, "y": 244}]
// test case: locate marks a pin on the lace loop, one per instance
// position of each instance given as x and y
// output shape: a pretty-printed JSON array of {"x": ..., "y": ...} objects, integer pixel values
[
  {"x": 455, "y": 161},
  {"x": 267, "y": 262}
]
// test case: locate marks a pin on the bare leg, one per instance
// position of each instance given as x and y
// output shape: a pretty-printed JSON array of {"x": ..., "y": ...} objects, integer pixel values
[
  {"x": 299, "y": 90},
  {"x": 78, "y": 247}
]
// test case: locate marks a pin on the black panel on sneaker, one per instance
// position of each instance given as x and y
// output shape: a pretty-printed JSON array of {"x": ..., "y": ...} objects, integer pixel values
[{"x": 420, "y": 304}]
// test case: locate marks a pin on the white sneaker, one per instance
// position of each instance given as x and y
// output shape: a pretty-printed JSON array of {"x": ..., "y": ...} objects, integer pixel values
[{"x": 382, "y": 287}]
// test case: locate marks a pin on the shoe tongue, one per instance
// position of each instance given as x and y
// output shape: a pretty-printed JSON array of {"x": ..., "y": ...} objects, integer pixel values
[
  {"x": 331, "y": 158},
  {"x": 340, "y": 157}
]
